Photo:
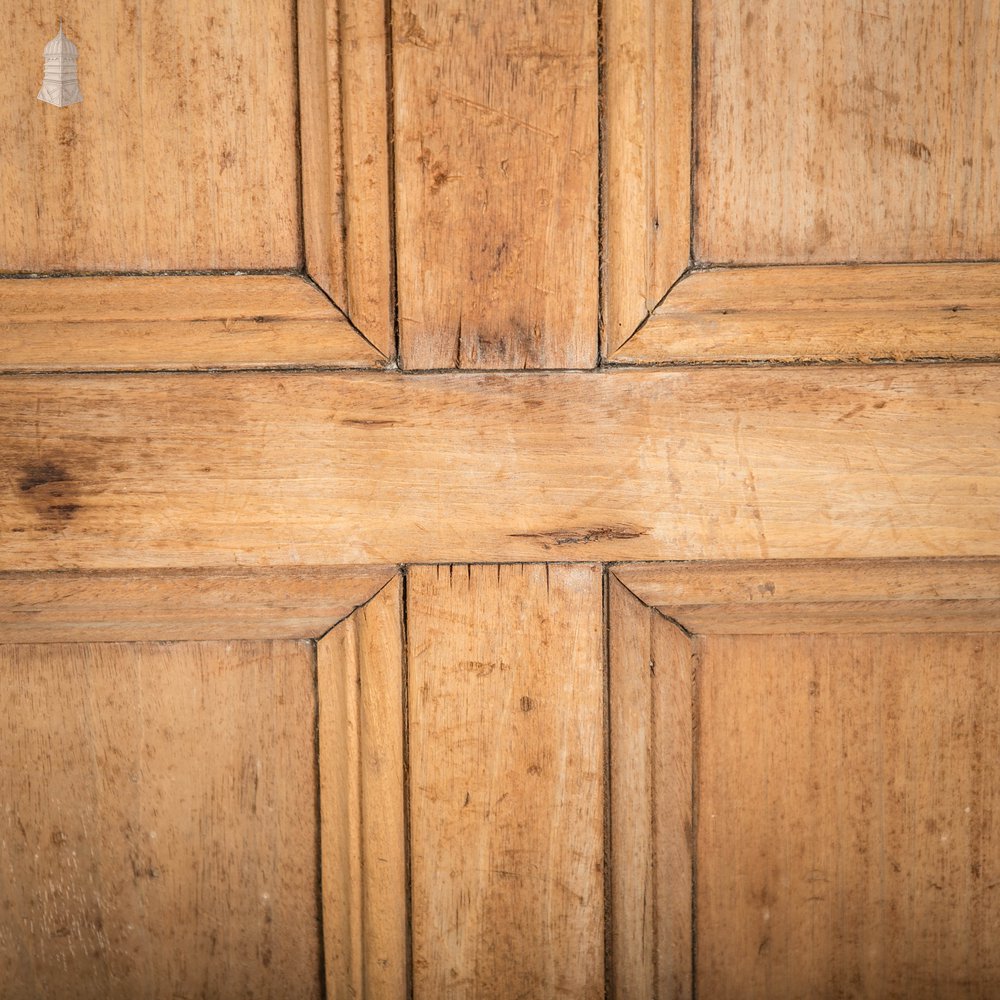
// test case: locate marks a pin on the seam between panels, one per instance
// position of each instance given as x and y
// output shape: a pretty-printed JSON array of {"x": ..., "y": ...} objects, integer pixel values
[
  {"x": 405, "y": 712},
  {"x": 321, "y": 919},
  {"x": 607, "y": 770}
]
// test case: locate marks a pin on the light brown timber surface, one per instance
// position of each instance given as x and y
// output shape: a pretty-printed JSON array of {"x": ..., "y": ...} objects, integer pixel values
[{"x": 354, "y": 468}]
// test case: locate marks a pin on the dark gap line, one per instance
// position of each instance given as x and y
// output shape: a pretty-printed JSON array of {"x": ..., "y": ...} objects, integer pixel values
[
  {"x": 608, "y": 831},
  {"x": 602, "y": 180},
  {"x": 299, "y": 160},
  {"x": 407, "y": 836},
  {"x": 321, "y": 924},
  {"x": 696, "y": 652},
  {"x": 390, "y": 102},
  {"x": 693, "y": 174}
]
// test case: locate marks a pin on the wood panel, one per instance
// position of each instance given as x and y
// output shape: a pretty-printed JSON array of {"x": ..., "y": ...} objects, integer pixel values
[
  {"x": 648, "y": 102},
  {"x": 506, "y": 780},
  {"x": 847, "y": 840},
  {"x": 652, "y": 818},
  {"x": 865, "y": 313},
  {"x": 182, "y": 154},
  {"x": 842, "y": 596},
  {"x": 847, "y": 132},
  {"x": 354, "y": 468},
  {"x": 123, "y": 605},
  {"x": 343, "y": 80},
  {"x": 360, "y": 683},
  {"x": 190, "y": 322},
  {"x": 496, "y": 183},
  {"x": 158, "y": 836}
]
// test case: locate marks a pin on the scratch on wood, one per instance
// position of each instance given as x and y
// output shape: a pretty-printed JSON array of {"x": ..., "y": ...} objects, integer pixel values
[
  {"x": 490, "y": 110},
  {"x": 581, "y": 536}
]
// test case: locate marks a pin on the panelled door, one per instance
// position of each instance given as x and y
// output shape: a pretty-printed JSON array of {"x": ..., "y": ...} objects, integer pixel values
[{"x": 500, "y": 499}]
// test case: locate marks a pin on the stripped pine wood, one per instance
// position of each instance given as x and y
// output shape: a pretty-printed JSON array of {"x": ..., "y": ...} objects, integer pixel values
[
  {"x": 496, "y": 183},
  {"x": 181, "y": 155},
  {"x": 845, "y": 132},
  {"x": 132, "y": 605},
  {"x": 365, "y": 920},
  {"x": 506, "y": 780},
  {"x": 359, "y": 468},
  {"x": 894, "y": 312},
  {"x": 648, "y": 104},
  {"x": 343, "y": 83},
  {"x": 847, "y": 840},
  {"x": 158, "y": 836},
  {"x": 651, "y": 830},
  {"x": 167, "y": 322},
  {"x": 844, "y": 596}
]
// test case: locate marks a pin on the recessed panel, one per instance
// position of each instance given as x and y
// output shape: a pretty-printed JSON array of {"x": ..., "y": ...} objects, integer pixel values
[
  {"x": 158, "y": 820},
  {"x": 847, "y": 816},
  {"x": 847, "y": 131},
  {"x": 182, "y": 153}
]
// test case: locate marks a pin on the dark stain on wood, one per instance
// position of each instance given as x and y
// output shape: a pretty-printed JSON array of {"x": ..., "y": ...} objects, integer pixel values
[{"x": 51, "y": 491}]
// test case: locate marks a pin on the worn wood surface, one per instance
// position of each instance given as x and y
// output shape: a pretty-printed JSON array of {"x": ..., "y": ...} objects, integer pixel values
[
  {"x": 647, "y": 120},
  {"x": 170, "y": 322},
  {"x": 506, "y": 780},
  {"x": 496, "y": 183},
  {"x": 355, "y": 468},
  {"x": 360, "y": 683},
  {"x": 846, "y": 596},
  {"x": 847, "y": 132},
  {"x": 847, "y": 833},
  {"x": 182, "y": 154},
  {"x": 894, "y": 312},
  {"x": 343, "y": 81},
  {"x": 158, "y": 832},
  {"x": 132, "y": 605},
  {"x": 652, "y": 823}
]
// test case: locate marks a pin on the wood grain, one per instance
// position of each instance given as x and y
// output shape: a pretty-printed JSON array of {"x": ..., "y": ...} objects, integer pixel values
[
  {"x": 652, "y": 833},
  {"x": 837, "y": 313},
  {"x": 357, "y": 468},
  {"x": 506, "y": 780},
  {"x": 163, "y": 605},
  {"x": 158, "y": 836},
  {"x": 846, "y": 596},
  {"x": 847, "y": 835},
  {"x": 496, "y": 183},
  {"x": 648, "y": 105},
  {"x": 365, "y": 921},
  {"x": 171, "y": 322},
  {"x": 343, "y": 79},
  {"x": 182, "y": 154},
  {"x": 847, "y": 132}
]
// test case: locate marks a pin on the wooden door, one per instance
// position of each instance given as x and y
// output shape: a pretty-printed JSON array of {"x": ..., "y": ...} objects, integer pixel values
[{"x": 500, "y": 500}]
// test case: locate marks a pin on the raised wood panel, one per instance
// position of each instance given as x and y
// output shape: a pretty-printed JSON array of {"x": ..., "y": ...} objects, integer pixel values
[
  {"x": 344, "y": 106},
  {"x": 360, "y": 682},
  {"x": 123, "y": 605},
  {"x": 813, "y": 147},
  {"x": 506, "y": 710},
  {"x": 651, "y": 688},
  {"x": 158, "y": 836},
  {"x": 353, "y": 468},
  {"x": 868, "y": 313},
  {"x": 496, "y": 183},
  {"x": 648, "y": 100},
  {"x": 182, "y": 154},
  {"x": 174, "y": 322},
  {"x": 847, "y": 132},
  {"x": 847, "y": 835},
  {"x": 842, "y": 779},
  {"x": 841, "y": 596}
]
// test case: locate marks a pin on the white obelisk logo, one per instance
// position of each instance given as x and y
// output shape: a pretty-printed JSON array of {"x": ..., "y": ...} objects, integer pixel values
[{"x": 60, "y": 86}]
